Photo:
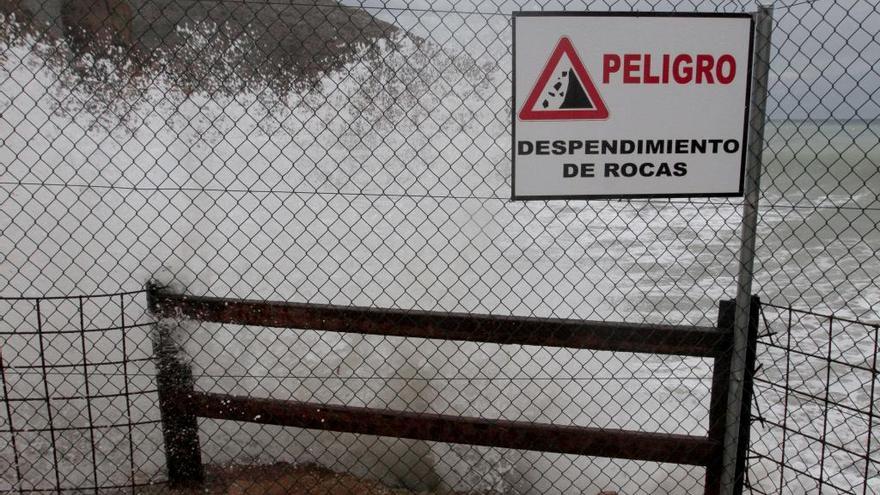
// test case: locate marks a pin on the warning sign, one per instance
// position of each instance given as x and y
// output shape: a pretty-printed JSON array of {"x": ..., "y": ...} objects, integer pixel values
[
  {"x": 564, "y": 90},
  {"x": 610, "y": 105}
]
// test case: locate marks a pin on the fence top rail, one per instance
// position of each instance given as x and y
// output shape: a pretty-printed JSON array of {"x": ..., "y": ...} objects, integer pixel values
[
  {"x": 96, "y": 295},
  {"x": 828, "y": 316},
  {"x": 580, "y": 334}
]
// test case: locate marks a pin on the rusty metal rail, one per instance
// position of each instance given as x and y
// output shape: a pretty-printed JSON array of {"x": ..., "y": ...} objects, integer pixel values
[{"x": 181, "y": 404}]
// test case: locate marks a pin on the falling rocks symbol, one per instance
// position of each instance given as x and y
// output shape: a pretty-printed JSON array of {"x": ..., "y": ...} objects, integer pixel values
[
  {"x": 575, "y": 96},
  {"x": 564, "y": 93}
]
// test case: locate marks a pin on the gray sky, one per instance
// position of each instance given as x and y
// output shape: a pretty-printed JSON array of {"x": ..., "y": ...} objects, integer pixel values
[{"x": 826, "y": 53}]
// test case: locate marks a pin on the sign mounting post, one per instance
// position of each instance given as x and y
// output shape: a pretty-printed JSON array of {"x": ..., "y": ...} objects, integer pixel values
[{"x": 732, "y": 474}]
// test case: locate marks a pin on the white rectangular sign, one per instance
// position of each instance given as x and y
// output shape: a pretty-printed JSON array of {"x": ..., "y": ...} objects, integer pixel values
[{"x": 612, "y": 105}]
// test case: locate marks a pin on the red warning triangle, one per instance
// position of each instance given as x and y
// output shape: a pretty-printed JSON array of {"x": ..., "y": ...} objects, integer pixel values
[{"x": 578, "y": 101}]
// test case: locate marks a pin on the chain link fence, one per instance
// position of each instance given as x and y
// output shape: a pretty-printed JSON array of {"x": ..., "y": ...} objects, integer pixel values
[{"x": 357, "y": 154}]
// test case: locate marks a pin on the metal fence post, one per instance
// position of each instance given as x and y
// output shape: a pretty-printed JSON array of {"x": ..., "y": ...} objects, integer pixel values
[
  {"x": 757, "y": 113},
  {"x": 745, "y": 424},
  {"x": 180, "y": 429}
]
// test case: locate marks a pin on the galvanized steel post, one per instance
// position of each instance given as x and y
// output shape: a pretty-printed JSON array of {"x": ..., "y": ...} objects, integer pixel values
[{"x": 757, "y": 114}]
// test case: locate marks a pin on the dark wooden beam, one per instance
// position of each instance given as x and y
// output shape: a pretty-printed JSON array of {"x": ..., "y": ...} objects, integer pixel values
[
  {"x": 596, "y": 335},
  {"x": 644, "y": 446},
  {"x": 718, "y": 402}
]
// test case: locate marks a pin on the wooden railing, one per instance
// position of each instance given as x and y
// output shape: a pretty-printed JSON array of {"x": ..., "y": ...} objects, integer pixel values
[{"x": 181, "y": 404}]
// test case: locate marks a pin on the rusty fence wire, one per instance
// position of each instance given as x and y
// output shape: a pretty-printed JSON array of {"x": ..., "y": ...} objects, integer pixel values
[{"x": 357, "y": 154}]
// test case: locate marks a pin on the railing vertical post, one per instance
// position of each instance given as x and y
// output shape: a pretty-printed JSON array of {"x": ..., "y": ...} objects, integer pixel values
[
  {"x": 718, "y": 401},
  {"x": 745, "y": 425},
  {"x": 180, "y": 429}
]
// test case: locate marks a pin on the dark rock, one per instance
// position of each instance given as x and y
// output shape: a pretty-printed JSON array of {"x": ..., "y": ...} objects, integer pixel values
[
  {"x": 303, "y": 39},
  {"x": 97, "y": 25},
  {"x": 16, "y": 8}
]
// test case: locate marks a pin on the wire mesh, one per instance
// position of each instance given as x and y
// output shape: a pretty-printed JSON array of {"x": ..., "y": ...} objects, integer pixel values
[
  {"x": 357, "y": 153},
  {"x": 814, "y": 416},
  {"x": 78, "y": 390}
]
